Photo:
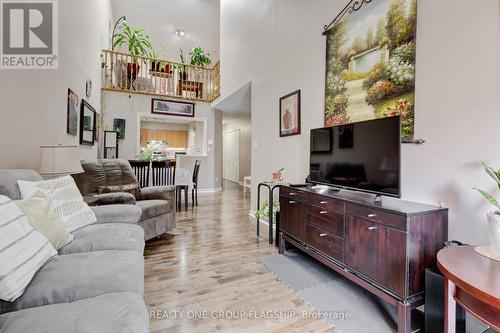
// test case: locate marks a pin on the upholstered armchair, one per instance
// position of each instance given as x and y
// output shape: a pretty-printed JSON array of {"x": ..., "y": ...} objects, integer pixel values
[{"x": 106, "y": 182}]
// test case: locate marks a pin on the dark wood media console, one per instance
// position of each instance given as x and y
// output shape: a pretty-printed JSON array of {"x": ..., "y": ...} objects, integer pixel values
[{"x": 384, "y": 248}]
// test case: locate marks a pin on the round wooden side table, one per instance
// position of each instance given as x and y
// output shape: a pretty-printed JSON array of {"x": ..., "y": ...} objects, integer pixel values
[{"x": 473, "y": 281}]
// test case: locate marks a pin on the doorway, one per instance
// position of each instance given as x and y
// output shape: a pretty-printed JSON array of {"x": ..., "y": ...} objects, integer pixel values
[{"x": 231, "y": 155}]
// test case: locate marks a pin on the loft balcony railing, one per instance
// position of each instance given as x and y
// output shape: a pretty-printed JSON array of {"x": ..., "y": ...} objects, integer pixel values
[{"x": 123, "y": 72}]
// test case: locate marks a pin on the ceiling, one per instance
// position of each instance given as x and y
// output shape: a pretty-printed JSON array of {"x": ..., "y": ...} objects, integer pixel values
[
  {"x": 237, "y": 104},
  {"x": 160, "y": 18}
]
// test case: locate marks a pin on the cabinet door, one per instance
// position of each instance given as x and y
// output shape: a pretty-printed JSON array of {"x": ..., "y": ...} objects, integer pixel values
[
  {"x": 292, "y": 218},
  {"x": 392, "y": 259},
  {"x": 361, "y": 250}
]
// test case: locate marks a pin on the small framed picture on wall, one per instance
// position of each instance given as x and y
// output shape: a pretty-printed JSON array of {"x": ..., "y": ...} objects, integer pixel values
[
  {"x": 72, "y": 113},
  {"x": 290, "y": 114}
]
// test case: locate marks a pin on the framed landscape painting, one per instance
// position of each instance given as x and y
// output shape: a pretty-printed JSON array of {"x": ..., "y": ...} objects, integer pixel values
[
  {"x": 172, "y": 108},
  {"x": 290, "y": 114},
  {"x": 370, "y": 63}
]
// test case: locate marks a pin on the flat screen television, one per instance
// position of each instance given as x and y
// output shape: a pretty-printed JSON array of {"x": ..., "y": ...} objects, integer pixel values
[{"x": 362, "y": 156}]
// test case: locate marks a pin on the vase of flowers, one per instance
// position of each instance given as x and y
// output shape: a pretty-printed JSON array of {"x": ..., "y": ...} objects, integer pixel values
[{"x": 493, "y": 216}]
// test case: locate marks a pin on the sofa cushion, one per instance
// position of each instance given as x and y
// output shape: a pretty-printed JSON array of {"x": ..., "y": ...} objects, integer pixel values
[
  {"x": 117, "y": 214},
  {"x": 74, "y": 277},
  {"x": 153, "y": 208},
  {"x": 108, "y": 236},
  {"x": 65, "y": 199},
  {"x": 115, "y": 312},
  {"x": 23, "y": 250},
  {"x": 9, "y": 178}
]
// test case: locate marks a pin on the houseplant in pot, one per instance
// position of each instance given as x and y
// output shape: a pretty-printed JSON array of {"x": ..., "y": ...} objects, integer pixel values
[
  {"x": 137, "y": 43},
  {"x": 493, "y": 216},
  {"x": 200, "y": 58},
  {"x": 183, "y": 75},
  {"x": 278, "y": 175},
  {"x": 158, "y": 65}
]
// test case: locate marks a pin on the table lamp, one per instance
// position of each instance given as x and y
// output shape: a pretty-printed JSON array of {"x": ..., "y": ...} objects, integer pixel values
[{"x": 58, "y": 161}]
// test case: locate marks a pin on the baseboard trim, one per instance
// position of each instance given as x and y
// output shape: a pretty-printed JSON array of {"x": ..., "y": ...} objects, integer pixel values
[{"x": 210, "y": 190}]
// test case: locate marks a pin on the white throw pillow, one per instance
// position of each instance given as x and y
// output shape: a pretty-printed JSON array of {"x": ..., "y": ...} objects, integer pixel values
[
  {"x": 23, "y": 250},
  {"x": 65, "y": 199}
]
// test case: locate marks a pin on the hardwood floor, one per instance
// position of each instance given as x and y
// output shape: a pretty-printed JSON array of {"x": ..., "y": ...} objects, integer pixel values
[{"x": 208, "y": 269}]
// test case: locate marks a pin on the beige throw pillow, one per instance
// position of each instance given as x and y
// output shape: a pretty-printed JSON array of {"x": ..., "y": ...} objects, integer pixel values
[{"x": 45, "y": 220}]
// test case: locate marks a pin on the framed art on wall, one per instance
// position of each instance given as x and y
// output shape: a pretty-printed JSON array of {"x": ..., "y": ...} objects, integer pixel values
[
  {"x": 72, "y": 113},
  {"x": 370, "y": 63},
  {"x": 87, "y": 124},
  {"x": 172, "y": 108},
  {"x": 290, "y": 114},
  {"x": 119, "y": 126}
]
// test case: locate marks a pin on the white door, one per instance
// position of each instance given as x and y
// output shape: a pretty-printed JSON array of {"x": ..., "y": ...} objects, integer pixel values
[{"x": 231, "y": 155}]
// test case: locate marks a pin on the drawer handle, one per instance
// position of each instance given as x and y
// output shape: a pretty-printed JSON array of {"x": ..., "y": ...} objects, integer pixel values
[
  {"x": 292, "y": 194},
  {"x": 323, "y": 235},
  {"x": 292, "y": 202},
  {"x": 323, "y": 202},
  {"x": 372, "y": 228},
  {"x": 323, "y": 212},
  {"x": 372, "y": 216}
]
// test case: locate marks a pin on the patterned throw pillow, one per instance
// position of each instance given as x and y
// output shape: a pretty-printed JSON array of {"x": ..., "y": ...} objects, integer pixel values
[
  {"x": 23, "y": 250},
  {"x": 65, "y": 199},
  {"x": 133, "y": 189}
]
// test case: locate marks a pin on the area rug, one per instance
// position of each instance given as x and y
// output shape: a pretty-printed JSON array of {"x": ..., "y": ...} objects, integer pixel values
[{"x": 344, "y": 305}]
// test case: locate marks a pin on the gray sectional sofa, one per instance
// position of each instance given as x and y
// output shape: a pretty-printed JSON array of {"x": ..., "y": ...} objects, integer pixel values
[{"x": 95, "y": 285}]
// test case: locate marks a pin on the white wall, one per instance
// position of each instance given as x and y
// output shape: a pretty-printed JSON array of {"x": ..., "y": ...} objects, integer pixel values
[
  {"x": 34, "y": 102},
  {"x": 160, "y": 18},
  {"x": 457, "y": 97},
  {"x": 120, "y": 105},
  {"x": 244, "y": 124}
]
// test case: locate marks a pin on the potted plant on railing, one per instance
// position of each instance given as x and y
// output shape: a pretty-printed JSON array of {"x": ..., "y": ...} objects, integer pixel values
[
  {"x": 493, "y": 216},
  {"x": 183, "y": 75},
  {"x": 158, "y": 65},
  {"x": 199, "y": 57},
  {"x": 138, "y": 45}
]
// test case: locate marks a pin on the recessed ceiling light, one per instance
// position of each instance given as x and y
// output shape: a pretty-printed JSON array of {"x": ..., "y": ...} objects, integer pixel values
[{"x": 180, "y": 33}]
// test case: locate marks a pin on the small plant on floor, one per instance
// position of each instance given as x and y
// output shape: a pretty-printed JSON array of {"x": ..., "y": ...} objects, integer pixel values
[{"x": 264, "y": 211}]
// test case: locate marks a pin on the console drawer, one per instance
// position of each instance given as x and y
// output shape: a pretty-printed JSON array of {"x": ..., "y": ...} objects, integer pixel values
[
  {"x": 325, "y": 202},
  {"x": 327, "y": 243},
  {"x": 326, "y": 220},
  {"x": 377, "y": 216},
  {"x": 292, "y": 193}
]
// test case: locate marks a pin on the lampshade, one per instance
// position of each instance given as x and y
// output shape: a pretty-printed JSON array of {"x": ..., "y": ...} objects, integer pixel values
[{"x": 60, "y": 161}]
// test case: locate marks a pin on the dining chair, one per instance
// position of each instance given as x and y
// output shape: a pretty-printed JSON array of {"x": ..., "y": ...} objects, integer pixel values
[
  {"x": 163, "y": 173},
  {"x": 141, "y": 171},
  {"x": 194, "y": 191}
]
